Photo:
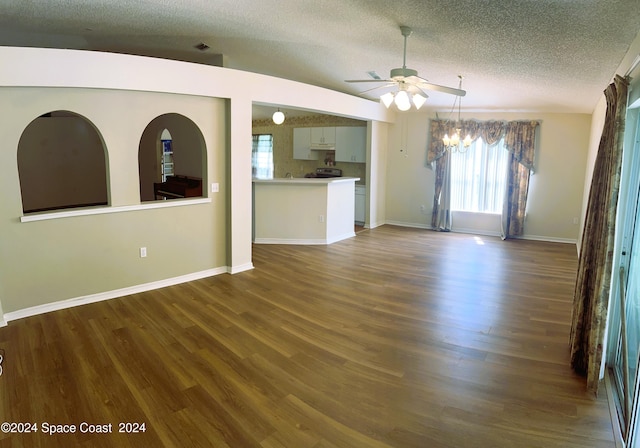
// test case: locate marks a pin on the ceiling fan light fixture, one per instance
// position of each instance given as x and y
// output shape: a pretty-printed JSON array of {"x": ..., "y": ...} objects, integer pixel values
[
  {"x": 402, "y": 100},
  {"x": 278, "y": 117},
  {"x": 387, "y": 99},
  {"x": 418, "y": 100}
]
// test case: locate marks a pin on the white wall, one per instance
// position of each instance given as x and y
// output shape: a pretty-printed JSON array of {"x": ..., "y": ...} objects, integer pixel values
[{"x": 377, "y": 177}]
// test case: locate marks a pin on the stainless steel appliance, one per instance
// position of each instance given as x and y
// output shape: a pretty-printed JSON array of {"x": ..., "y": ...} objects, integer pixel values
[{"x": 325, "y": 173}]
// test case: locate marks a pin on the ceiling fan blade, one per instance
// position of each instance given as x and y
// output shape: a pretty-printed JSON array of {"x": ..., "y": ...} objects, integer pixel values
[
  {"x": 390, "y": 84},
  {"x": 443, "y": 89},
  {"x": 415, "y": 88},
  {"x": 415, "y": 79},
  {"x": 367, "y": 80}
]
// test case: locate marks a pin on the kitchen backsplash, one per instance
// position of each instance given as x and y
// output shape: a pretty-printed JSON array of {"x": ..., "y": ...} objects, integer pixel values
[{"x": 283, "y": 160}]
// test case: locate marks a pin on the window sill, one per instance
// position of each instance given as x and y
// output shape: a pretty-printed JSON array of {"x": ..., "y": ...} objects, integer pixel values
[{"x": 103, "y": 210}]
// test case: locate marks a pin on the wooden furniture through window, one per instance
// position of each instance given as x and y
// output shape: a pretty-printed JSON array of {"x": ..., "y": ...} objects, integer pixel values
[{"x": 178, "y": 187}]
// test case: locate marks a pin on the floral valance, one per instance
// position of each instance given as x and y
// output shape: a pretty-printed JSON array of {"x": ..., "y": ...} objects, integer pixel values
[{"x": 519, "y": 137}]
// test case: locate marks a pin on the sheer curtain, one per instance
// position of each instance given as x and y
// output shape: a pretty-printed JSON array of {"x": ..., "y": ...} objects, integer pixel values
[
  {"x": 478, "y": 177},
  {"x": 262, "y": 156}
]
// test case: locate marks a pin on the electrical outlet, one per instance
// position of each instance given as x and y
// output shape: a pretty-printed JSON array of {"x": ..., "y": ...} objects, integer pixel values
[
  {"x": 143, "y": 252},
  {"x": 215, "y": 187},
  {"x": 320, "y": 218},
  {"x": 576, "y": 220},
  {"x": 422, "y": 209}
]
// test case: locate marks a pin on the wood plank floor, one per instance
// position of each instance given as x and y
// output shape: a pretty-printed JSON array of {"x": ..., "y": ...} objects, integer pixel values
[{"x": 395, "y": 338}]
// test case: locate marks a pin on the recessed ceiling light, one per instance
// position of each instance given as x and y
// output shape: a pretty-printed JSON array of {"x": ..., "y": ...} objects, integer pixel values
[{"x": 202, "y": 46}]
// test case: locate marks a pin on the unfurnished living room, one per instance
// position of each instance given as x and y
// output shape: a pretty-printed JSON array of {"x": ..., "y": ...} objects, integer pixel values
[{"x": 319, "y": 224}]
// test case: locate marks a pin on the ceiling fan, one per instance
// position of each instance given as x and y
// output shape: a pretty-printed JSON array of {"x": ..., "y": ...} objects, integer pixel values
[{"x": 407, "y": 81}]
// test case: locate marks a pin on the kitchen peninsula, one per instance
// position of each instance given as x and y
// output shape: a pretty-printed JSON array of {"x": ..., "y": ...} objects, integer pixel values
[{"x": 303, "y": 211}]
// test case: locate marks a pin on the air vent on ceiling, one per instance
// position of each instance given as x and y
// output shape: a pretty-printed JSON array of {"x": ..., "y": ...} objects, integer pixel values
[{"x": 201, "y": 46}]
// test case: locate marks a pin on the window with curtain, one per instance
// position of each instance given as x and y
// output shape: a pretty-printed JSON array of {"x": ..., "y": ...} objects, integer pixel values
[
  {"x": 262, "y": 156},
  {"x": 479, "y": 177}
]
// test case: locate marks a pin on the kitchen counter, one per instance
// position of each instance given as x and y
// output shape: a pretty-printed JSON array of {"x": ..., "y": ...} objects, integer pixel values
[
  {"x": 303, "y": 210},
  {"x": 306, "y": 180}
]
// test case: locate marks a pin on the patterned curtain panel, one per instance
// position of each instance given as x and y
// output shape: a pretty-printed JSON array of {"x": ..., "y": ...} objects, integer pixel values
[
  {"x": 515, "y": 200},
  {"x": 593, "y": 280},
  {"x": 519, "y": 139},
  {"x": 435, "y": 150},
  {"x": 438, "y": 156},
  {"x": 441, "y": 214}
]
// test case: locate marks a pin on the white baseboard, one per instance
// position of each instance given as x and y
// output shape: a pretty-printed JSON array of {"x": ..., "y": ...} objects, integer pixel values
[
  {"x": 69, "y": 303},
  {"x": 241, "y": 268},
  {"x": 409, "y": 224},
  {"x": 373, "y": 225},
  {"x": 549, "y": 239},
  {"x": 344, "y": 236},
  {"x": 305, "y": 241},
  {"x": 475, "y": 232}
]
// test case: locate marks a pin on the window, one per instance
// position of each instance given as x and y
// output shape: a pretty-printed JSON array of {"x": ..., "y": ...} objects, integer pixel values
[
  {"x": 262, "y": 156},
  {"x": 478, "y": 177}
]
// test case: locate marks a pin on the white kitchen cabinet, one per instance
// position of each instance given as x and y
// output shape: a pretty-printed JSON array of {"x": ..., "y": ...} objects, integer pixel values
[
  {"x": 351, "y": 144},
  {"x": 360, "y": 191},
  {"x": 325, "y": 136},
  {"x": 302, "y": 145}
]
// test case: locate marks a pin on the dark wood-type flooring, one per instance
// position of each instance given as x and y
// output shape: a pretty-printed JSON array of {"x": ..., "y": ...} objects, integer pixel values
[{"x": 395, "y": 338}]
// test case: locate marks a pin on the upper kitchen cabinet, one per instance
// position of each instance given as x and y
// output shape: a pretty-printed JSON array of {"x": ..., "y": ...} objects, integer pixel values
[
  {"x": 302, "y": 145},
  {"x": 323, "y": 138},
  {"x": 351, "y": 144}
]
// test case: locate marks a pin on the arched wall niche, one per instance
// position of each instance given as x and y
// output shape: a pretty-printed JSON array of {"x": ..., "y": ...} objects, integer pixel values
[
  {"x": 189, "y": 152},
  {"x": 62, "y": 163}
]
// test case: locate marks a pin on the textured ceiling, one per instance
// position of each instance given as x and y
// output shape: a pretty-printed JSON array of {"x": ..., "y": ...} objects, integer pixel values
[{"x": 524, "y": 55}]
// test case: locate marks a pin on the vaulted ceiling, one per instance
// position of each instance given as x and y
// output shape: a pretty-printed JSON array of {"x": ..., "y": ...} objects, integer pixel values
[{"x": 518, "y": 55}]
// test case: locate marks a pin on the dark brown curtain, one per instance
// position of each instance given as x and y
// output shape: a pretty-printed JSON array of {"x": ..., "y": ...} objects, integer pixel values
[
  {"x": 520, "y": 141},
  {"x": 593, "y": 280}
]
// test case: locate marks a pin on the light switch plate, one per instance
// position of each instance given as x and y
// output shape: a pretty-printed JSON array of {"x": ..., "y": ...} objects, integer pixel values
[{"x": 215, "y": 187}]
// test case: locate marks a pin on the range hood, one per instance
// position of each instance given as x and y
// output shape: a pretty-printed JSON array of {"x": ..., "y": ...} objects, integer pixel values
[{"x": 322, "y": 147}]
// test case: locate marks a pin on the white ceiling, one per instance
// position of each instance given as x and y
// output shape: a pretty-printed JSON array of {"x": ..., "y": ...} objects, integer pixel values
[{"x": 515, "y": 55}]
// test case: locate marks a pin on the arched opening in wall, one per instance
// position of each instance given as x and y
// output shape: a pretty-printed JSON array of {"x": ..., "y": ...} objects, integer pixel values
[
  {"x": 172, "y": 159},
  {"x": 62, "y": 163}
]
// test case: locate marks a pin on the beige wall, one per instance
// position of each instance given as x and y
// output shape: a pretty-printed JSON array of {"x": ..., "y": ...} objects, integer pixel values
[
  {"x": 75, "y": 257},
  {"x": 52, "y": 260},
  {"x": 555, "y": 192}
]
